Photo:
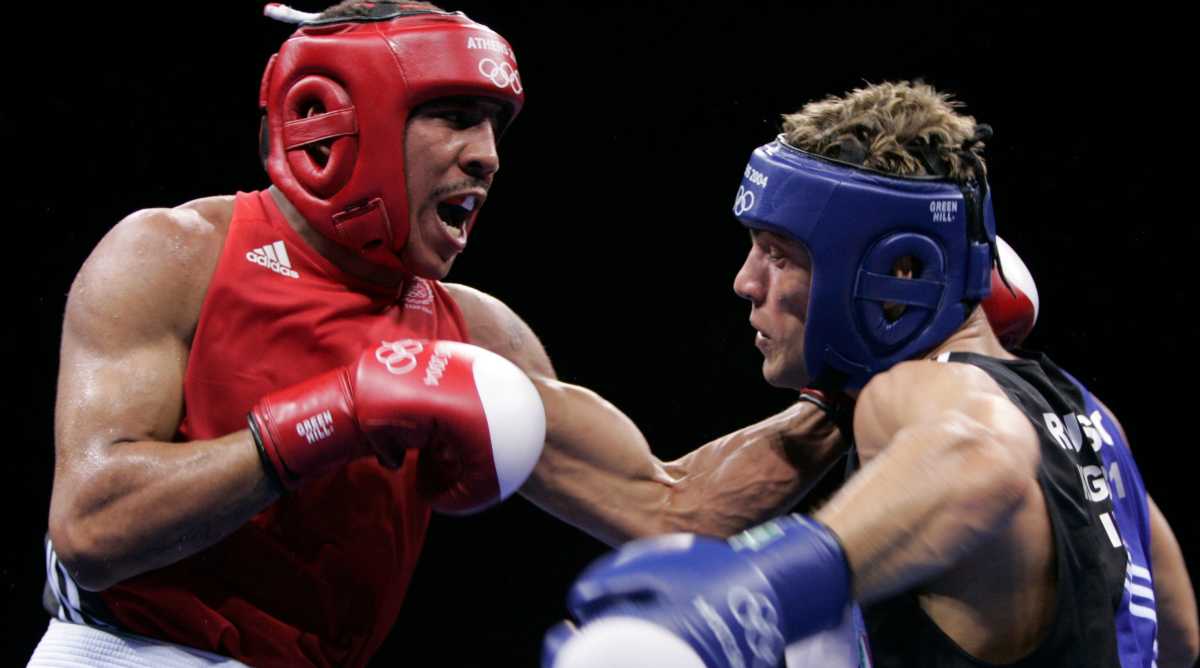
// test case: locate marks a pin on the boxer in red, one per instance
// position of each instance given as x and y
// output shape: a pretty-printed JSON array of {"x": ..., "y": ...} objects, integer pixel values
[{"x": 182, "y": 533}]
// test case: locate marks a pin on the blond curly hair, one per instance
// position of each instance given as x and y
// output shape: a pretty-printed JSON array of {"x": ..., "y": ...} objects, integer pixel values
[{"x": 902, "y": 128}]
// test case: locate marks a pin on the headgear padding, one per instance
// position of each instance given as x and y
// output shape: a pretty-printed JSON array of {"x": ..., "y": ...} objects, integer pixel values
[
  {"x": 353, "y": 83},
  {"x": 856, "y": 224}
]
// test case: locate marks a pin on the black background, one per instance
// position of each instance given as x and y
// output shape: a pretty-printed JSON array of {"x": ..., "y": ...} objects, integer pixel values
[{"x": 609, "y": 228}]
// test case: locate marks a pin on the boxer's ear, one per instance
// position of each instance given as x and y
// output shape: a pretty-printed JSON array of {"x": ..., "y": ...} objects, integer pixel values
[{"x": 905, "y": 267}]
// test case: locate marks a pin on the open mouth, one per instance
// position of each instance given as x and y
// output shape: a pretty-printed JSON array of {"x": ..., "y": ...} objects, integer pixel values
[{"x": 455, "y": 212}]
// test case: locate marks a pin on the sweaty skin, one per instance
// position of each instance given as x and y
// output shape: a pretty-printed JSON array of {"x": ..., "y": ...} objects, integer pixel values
[{"x": 127, "y": 500}]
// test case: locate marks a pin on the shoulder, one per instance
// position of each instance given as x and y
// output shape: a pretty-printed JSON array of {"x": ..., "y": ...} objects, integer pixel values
[
  {"x": 490, "y": 322},
  {"x": 215, "y": 212},
  {"x": 155, "y": 263},
  {"x": 925, "y": 391},
  {"x": 493, "y": 325},
  {"x": 176, "y": 236},
  {"x": 477, "y": 304},
  {"x": 916, "y": 389}
]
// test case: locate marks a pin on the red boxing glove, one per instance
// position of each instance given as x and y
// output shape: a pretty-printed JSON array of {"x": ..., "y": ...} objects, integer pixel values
[
  {"x": 478, "y": 411},
  {"x": 1012, "y": 314}
]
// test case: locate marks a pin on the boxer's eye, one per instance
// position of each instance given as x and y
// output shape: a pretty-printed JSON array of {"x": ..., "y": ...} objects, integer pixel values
[
  {"x": 467, "y": 119},
  {"x": 457, "y": 119}
]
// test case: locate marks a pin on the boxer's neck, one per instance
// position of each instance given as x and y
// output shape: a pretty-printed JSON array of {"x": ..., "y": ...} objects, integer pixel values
[{"x": 974, "y": 336}]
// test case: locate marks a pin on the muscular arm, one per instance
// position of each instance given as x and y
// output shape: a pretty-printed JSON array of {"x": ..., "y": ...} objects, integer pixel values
[
  {"x": 125, "y": 499},
  {"x": 945, "y": 469},
  {"x": 948, "y": 504},
  {"x": 598, "y": 473}
]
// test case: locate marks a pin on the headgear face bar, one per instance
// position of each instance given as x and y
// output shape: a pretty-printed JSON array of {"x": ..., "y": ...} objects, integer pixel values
[
  {"x": 364, "y": 75},
  {"x": 856, "y": 224}
]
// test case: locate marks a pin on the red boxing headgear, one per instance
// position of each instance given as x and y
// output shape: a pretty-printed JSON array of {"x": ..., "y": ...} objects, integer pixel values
[{"x": 363, "y": 76}]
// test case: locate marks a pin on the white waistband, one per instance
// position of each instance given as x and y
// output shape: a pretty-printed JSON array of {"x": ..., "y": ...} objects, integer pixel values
[{"x": 66, "y": 644}]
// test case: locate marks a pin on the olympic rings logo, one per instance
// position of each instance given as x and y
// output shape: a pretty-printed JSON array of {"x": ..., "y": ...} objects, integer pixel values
[
  {"x": 760, "y": 622},
  {"x": 743, "y": 202},
  {"x": 399, "y": 357},
  {"x": 502, "y": 75}
]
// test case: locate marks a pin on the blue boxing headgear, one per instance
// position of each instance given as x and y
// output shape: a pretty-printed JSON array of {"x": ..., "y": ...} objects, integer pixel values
[{"x": 857, "y": 223}]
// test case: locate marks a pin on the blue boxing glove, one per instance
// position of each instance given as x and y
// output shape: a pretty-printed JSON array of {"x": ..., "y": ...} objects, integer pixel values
[{"x": 696, "y": 601}]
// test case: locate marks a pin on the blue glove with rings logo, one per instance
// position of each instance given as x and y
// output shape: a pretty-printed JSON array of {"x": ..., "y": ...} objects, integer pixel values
[{"x": 684, "y": 600}]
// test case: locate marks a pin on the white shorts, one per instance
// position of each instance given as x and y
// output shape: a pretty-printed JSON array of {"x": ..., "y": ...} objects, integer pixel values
[{"x": 66, "y": 644}]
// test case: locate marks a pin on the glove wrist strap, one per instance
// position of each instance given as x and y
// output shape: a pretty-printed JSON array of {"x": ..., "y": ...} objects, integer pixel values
[{"x": 807, "y": 568}]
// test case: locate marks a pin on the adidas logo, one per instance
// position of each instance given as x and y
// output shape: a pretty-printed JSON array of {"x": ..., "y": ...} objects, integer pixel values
[{"x": 274, "y": 257}]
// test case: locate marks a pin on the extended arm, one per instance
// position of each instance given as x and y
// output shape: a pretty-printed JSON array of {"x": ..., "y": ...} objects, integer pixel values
[
  {"x": 126, "y": 499},
  {"x": 598, "y": 473}
]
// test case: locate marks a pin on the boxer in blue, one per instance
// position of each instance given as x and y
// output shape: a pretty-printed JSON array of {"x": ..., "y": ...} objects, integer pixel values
[{"x": 997, "y": 517}]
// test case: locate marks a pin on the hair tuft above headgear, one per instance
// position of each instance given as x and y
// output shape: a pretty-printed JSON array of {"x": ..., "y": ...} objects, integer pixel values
[{"x": 902, "y": 128}]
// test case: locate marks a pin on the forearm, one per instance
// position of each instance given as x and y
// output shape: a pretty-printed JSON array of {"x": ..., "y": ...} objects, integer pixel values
[
  {"x": 143, "y": 505},
  {"x": 599, "y": 474},
  {"x": 756, "y": 473}
]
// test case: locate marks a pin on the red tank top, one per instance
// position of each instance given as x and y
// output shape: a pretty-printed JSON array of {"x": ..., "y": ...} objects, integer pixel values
[{"x": 318, "y": 577}]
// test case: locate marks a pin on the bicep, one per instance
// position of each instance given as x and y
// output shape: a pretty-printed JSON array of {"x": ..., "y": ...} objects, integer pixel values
[
  {"x": 120, "y": 389},
  {"x": 596, "y": 471},
  {"x": 124, "y": 347}
]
